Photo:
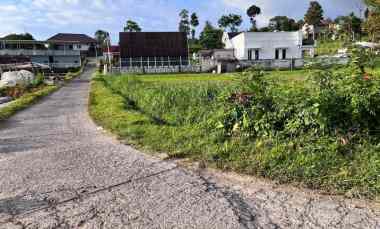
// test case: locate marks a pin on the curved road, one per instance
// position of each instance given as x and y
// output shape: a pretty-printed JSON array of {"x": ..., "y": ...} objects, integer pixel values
[{"x": 58, "y": 170}]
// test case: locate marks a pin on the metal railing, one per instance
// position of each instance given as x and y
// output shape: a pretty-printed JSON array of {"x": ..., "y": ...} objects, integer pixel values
[{"x": 36, "y": 52}]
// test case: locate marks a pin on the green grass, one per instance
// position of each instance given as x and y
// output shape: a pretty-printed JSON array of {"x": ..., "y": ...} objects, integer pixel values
[
  {"x": 176, "y": 114},
  {"x": 328, "y": 47},
  {"x": 25, "y": 101}
]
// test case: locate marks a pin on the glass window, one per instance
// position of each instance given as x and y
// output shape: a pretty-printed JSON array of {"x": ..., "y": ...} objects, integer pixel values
[
  {"x": 277, "y": 56},
  {"x": 284, "y": 54}
]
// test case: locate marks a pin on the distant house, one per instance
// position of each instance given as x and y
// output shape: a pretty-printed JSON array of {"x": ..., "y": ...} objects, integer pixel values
[
  {"x": 78, "y": 42},
  {"x": 57, "y": 56},
  {"x": 153, "y": 49},
  {"x": 112, "y": 53},
  {"x": 265, "y": 45},
  {"x": 219, "y": 60},
  {"x": 271, "y": 49}
]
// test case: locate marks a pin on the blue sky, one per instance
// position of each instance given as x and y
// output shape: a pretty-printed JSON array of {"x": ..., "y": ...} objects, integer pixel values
[{"x": 44, "y": 18}]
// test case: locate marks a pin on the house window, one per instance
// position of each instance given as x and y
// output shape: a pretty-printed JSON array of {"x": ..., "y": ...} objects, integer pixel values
[
  {"x": 253, "y": 54},
  {"x": 277, "y": 54},
  {"x": 79, "y": 46},
  {"x": 250, "y": 54},
  {"x": 257, "y": 54},
  {"x": 284, "y": 54}
]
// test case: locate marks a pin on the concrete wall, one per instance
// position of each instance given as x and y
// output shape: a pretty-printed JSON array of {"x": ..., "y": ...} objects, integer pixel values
[
  {"x": 59, "y": 61},
  {"x": 273, "y": 64},
  {"x": 267, "y": 43}
]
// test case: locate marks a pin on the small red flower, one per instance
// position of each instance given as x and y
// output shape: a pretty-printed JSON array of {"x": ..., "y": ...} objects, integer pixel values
[{"x": 366, "y": 76}]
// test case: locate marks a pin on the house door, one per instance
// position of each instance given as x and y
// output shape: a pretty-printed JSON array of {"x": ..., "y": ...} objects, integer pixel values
[
  {"x": 51, "y": 60},
  {"x": 250, "y": 54}
]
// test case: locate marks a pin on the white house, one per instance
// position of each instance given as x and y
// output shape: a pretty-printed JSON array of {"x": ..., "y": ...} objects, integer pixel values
[
  {"x": 274, "y": 49},
  {"x": 265, "y": 45}
]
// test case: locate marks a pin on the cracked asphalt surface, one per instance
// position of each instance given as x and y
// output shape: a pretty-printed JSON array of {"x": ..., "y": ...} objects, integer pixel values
[{"x": 59, "y": 170}]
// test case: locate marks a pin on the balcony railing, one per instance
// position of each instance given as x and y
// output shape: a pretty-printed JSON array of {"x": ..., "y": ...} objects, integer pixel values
[
  {"x": 34, "y": 52},
  {"x": 65, "y": 65}
]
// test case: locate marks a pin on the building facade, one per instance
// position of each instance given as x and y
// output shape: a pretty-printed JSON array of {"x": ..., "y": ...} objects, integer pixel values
[
  {"x": 153, "y": 49},
  {"x": 61, "y": 56},
  {"x": 268, "y": 49},
  {"x": 86, "y": 45}
]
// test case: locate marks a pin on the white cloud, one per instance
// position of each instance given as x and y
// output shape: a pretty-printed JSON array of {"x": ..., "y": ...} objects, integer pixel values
[{"x": 44, "y": 18}]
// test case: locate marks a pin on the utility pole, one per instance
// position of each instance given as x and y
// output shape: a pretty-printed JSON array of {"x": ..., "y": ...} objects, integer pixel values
[{"x": 108, "y": 41}]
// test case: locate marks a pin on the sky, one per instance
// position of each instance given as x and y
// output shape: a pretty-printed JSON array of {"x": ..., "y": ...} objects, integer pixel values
[{"x": 44, "y": 18}]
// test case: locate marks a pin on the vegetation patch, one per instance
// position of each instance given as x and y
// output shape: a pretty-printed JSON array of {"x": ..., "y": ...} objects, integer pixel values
[
  {"x": 322, "y": 133},
  {"x": 25, "y": 100},
  {"x": 27, "y": 95}
]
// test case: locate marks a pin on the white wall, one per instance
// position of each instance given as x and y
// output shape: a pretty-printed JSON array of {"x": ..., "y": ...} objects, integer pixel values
[{"x": 267, "y": 43}]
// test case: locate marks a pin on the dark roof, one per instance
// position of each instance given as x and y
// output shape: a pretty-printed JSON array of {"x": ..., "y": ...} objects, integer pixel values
[
  {"x": 71, "y": 37},
  {"x": 232, "y": 35},
  {"x": 153, "y": 44}
]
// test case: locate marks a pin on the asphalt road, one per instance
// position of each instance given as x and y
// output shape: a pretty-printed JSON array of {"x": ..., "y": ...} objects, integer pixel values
[{"x": 59, "y": 170}]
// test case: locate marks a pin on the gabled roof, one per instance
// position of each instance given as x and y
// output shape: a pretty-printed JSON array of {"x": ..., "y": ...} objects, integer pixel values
[
  {"x": 72, "y": 37},
  {"x": 232, "y": 35}
]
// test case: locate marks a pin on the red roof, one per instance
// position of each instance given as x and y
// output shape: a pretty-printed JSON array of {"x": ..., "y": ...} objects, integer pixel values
[{"x": 113, "y": 49}]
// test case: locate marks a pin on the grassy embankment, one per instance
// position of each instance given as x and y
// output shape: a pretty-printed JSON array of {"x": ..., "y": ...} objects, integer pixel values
[{"x": 190, "y": 116}]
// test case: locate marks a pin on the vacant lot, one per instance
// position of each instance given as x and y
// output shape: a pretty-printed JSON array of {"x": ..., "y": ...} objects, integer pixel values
[{"x": 294, "y": 127}]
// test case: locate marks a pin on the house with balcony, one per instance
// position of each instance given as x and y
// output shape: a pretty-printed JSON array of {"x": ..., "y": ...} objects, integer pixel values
[
  {"x": 77, "y": 42},
  {"x": 57, "y": 56}
]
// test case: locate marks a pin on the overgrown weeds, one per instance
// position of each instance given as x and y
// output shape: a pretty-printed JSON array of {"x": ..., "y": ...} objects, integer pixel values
[{"x": 325, "y": 135}]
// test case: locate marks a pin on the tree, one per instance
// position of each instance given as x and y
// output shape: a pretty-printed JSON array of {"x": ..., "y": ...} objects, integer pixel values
[
  {"x": 194, "y": 22},
  {"x": 283, "y": 23},
  {"x": 132, "y": 26},
  {"x": 374, "y": 5},
  {"x": 184, "y": 24},
  {"x": 372, "y": 26},
  {"x": 350, "y": 25},
  {"x": 102, "y": 37},
  {"x": 211, "y": 38},
  {"x": 252, "y": 12},
  {"x": 231, "y": 21},
  {"x": 314, "y": 14},
  {"x": 22, "y": 36}
]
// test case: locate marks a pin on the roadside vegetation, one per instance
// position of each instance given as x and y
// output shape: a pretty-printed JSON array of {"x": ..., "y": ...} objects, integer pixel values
[
  {"x": 319, "y": 127},
  {"x": 26, "y": 95},
  {"x": 28, "y": 98}
]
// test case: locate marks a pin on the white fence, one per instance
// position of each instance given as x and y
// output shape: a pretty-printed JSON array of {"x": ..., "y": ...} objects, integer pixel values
[
  {"x": 157, "y": 70},
  {"x": 273, "y": 64},
  {"x": 35, "y": 52}
]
